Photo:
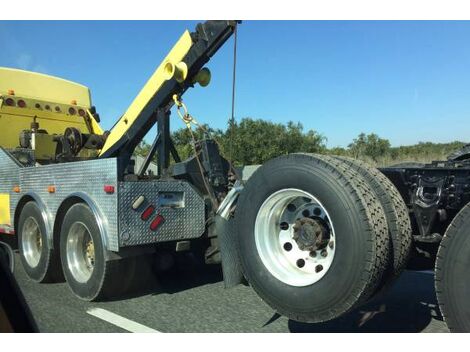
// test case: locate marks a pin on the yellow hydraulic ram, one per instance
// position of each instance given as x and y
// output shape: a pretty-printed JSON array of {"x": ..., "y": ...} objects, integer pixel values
[{"x": 182, "y": 67}]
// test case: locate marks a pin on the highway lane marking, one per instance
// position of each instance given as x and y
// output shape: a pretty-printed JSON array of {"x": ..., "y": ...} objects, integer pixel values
[{"x": 119, "y": 321}]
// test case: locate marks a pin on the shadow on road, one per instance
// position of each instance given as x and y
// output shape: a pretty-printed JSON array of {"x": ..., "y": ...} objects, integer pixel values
[
  {"x": 185, "y": 276},
  {"x": 408, "y": 306}
]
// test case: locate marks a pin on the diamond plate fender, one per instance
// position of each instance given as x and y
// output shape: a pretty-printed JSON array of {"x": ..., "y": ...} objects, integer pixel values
[
  {"x": 9, "y": 177},
  {"x": 82, "y": 179}
]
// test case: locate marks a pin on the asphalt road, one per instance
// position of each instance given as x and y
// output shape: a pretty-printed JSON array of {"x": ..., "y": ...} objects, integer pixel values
[{"x": 196, "y": 301}]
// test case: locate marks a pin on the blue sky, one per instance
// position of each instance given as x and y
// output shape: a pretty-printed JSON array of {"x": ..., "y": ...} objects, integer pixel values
[{"x": 406, "y": 81}]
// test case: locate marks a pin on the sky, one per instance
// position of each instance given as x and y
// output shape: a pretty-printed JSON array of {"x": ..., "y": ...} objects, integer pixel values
[{"x": 407, "y": 81}]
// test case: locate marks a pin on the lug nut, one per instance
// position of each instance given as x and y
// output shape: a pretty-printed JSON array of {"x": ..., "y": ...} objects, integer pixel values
[
  {"x": 318, "y": 268},
  {"x": 331, "y": 244},
  {"x": 324, "y": 253},
  {"x": 313, "y": 254}
]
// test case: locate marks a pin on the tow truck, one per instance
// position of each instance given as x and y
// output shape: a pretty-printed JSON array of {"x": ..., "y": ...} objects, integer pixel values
[{"x": 315, "y": 236}]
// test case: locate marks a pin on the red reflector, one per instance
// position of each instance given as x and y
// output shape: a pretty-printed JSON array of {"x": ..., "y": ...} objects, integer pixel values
[
  {"x": 157, "y": 222},
  {"x": 147, "y": 212},
  {"x": 109, "y": 189}
]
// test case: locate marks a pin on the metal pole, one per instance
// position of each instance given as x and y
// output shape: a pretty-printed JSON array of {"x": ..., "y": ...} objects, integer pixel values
[{"x": 163, "y": 154}]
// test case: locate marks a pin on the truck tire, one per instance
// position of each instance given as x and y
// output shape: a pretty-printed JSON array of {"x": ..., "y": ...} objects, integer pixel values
[
  {"x": 89, "y": 273},
  {"x": 40, "y": 262},
  {"x": 451, "y": 275},
  {"x": 305, "y": 282},
  {"x": 396, "y": 212}
]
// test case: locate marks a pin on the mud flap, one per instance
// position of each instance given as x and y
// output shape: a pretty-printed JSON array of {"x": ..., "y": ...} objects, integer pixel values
[{"x": 231, "y": 268}]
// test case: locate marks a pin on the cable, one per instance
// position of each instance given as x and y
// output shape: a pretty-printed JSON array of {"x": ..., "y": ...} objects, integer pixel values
[{"x": 234, "y": 75}]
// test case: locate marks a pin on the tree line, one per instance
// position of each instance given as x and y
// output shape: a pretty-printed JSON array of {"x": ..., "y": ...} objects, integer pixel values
[{"x": 254, "y": 141}]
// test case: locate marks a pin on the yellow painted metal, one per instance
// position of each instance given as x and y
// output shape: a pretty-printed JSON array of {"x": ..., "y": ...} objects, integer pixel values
[
  {"x": 48, "y": 100},
  {"x": 13, "y": 120},
  {"x": 94, "y": 125},
  {"x": 203, "y": 77},
  {"x": 152, "y": 86},
  {"x": 5, "y": 209},
  {"x": 179, "y": 71},
  {"x": 35, "y": 85}
]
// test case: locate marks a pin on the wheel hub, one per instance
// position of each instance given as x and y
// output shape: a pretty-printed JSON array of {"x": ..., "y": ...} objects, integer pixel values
[
  {"x": 295, "y": 237},
  {"x": 32, "y": 241},
  {"x": 80, "y": 252},
  {"x": 310, "y": 234}
]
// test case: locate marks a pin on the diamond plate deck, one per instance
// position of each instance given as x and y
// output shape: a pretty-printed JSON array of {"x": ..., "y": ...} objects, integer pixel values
[{"x": 184, "y": 222}]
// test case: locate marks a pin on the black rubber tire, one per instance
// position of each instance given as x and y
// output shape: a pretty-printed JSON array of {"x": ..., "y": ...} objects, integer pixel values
[
  {"x": 461, "y": 154},
  {"x": 110, "y": 278},
  {"x": 7, "y": 256},
  {"x": 451, "y": 275},
  {"x": 396, "y": 212},
  {"x": 48, "y": 268},
  {"x": 360, "y": 228}
]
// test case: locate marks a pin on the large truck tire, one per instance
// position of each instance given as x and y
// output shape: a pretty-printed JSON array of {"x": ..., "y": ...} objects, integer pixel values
[
  {"x": 312, "y": 237},
  {"x": 396, "y": 212},
  {"x": 452, "y": 273},
  {"x": 39, "y": 260},
  {"x": 90, "y": 275}
]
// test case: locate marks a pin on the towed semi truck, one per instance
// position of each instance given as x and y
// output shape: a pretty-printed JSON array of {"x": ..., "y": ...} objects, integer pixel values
[{"x": 314, "y": 235}]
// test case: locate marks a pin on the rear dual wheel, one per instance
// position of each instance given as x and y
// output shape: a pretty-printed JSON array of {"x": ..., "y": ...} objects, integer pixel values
[
  {"x": 83, "y": 260},
  {"x": 39, "y": 260},
  {"x": 396, "y": 214},
  {"x": 335, "y": 233},
  {"x": 89, "y": 273},
  {"x": 313, "y": 236}
]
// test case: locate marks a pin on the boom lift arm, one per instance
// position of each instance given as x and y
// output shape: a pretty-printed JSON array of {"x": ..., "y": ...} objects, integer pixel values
[{"x": 180, "y": 70}]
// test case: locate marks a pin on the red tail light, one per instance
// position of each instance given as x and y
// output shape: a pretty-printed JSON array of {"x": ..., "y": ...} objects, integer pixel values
[
  {"x": 72, "y": 111},
  {"x": 147, "y": 212},
  {"x": 108, "y": 189},
  {"x": 21, "y": 103},
  {"x": 81, "y": 112},
  {"x": 156, "y": 223},
  {"x": 10, "y": 102}
]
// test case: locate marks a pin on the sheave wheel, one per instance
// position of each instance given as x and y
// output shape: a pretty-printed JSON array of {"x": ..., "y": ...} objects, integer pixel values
[
  {"x": 312, "y": 238},
  {"x": 89, "y": 274},
  {"x": 452, "y": 276},
  {"x": 39, "y": 260}
]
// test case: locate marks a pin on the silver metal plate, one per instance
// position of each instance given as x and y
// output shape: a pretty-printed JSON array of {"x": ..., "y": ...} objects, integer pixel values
[
  {"x": 184, "y": 213},
  {"x": 82, "y": 177},
  {"x": 9, "y": 178}
]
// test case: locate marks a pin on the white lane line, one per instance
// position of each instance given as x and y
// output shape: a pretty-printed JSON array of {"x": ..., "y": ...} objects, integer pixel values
[{"x": 119, "y": 321}]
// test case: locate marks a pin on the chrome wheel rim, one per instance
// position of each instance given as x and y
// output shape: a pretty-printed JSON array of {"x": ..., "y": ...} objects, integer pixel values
[
  {"x": 32, "y": 242},
  {"x": 297, "y": 260},
  {"x": 80, "y": 251}
]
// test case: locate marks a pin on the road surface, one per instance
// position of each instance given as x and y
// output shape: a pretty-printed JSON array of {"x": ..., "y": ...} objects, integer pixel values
[{"x": 197, "y": 302}]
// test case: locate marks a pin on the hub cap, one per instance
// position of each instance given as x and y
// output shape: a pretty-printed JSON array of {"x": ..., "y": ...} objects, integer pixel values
[
  {"x": 32, "y": 242},
  {"x": 80, "y": 252},
  {"x": 294, "y": 237}
]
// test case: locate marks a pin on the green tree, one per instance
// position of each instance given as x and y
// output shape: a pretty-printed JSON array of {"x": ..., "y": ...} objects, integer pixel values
[
  {"x": 253, "y": 141},
  {"x": 370, "y": 145}
]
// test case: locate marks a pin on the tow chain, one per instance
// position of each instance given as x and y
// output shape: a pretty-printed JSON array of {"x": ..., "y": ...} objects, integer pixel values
[
  {"x": 189, "y": 120},
  {"x": 185, "y": 116}
]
